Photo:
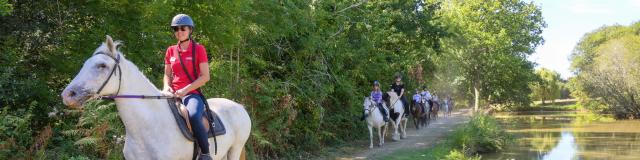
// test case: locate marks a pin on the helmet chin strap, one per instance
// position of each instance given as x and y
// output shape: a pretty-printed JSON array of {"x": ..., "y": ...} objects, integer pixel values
[{"x": 180, "y": 41}]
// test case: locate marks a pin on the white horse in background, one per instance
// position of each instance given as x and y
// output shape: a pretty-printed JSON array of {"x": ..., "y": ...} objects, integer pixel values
[
  {"x": 151, "y": 130},
  {"x": 374, "y": 120},
  {"x": 445, "y": 105},
  {"x": 399, "y": 123}
]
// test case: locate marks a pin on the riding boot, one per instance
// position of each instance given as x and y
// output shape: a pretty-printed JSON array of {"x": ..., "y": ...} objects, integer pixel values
[
  {"x": 384, "y": 113},
  {"x": 364, "y": 116},
  {"x": 204, "y": 157},
  {"x": 406, "y": 106}
]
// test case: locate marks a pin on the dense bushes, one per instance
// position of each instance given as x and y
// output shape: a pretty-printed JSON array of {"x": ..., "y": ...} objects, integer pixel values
[{"x": 481, "y": 135}]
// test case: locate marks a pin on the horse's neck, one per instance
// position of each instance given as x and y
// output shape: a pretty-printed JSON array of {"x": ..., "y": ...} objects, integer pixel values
[
  {"x": 141, "y": 115},
  {"x": 134, "y": 82},
  {"x": 372, "y": 107}
]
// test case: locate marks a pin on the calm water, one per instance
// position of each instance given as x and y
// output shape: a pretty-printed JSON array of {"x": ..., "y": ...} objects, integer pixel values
[{"x": 568, "y": 136}]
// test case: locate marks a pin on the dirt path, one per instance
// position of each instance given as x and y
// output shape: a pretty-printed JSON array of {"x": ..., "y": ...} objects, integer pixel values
[{"x": 423, "y": 138}]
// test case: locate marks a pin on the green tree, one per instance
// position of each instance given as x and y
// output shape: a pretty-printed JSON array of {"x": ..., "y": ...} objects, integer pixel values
[
  {"x": 492, "y": 40},
  {"x": 548, "y": 86},
  {"x": 605, "y": 62},
  {"x": 5, "y": 7}
]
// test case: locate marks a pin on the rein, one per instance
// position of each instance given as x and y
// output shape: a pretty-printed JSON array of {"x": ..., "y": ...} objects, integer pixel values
[
  {"x": 136, "y": 96},
  {"x": 372, "y": 106},
  {"x": 113, "y": 71}
]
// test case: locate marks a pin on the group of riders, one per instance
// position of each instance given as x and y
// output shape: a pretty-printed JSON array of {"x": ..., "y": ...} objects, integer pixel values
[
  {"x": 422, "y": 98},
  {"x": 183, "y": 78}
]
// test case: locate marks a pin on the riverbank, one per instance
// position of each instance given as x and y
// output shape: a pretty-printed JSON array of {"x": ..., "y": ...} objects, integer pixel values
[
  {"x": 557, "y": 105},
  {"x": 480, "y": 135},
  {"x": 568, "y": 135}
]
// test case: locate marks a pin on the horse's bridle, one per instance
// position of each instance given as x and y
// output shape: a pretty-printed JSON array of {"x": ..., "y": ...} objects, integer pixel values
[
  {"x": 116, "y": 65},
  {"x": 113, "y": 71},
  {"x": 373, "y": 103}
]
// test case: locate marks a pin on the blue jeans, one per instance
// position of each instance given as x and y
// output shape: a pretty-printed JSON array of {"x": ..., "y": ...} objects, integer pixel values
[{"x": 195, "y": 105}]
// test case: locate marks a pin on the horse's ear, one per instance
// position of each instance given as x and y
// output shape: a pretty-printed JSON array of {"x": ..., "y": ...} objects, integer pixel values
[{"x": 111, "y": 46}]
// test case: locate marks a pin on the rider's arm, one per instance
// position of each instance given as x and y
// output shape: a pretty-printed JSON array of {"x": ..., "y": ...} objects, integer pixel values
[
  {"x": 166, "y": 81},
  {"x": 203, "y": 65},
  {"x": 202, "y": 79}
]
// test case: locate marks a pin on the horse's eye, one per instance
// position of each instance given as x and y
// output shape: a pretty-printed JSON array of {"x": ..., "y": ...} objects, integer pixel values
[{"x": 101, "y": 65}]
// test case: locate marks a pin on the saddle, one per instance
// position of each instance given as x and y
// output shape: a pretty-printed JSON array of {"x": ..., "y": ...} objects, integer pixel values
[{"x": 181, "y": 114}]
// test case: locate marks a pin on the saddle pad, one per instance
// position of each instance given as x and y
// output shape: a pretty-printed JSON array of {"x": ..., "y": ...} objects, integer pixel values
[{"x": 218, "y": 127}]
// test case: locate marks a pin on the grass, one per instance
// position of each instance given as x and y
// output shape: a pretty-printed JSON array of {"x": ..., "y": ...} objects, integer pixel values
[
  {"x": 558, "y": 105},
  {"x": 480, "y": 135}
]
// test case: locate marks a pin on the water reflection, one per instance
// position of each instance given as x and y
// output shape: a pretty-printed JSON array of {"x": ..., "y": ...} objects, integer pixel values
[
  {"x": 565, "y": 149},
  {"x": 568, "y": 135}
]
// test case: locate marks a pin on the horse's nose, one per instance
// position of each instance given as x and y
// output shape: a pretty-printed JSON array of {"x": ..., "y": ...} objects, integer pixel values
[
  {"x": 68, "y": 97},
  {"x": 72, "y": 94}
]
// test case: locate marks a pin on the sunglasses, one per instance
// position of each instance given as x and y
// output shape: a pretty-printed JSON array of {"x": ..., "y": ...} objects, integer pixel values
[{"x": 179, "y": 28}]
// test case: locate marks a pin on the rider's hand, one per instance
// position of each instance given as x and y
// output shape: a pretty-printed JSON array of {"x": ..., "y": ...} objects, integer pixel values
[
  {"x": 181, "y": 92},
  {"x": 167, "y": 92}
]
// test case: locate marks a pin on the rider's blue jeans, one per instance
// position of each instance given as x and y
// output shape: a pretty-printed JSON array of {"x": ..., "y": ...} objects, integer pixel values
[{"x": 195, "y": 105}]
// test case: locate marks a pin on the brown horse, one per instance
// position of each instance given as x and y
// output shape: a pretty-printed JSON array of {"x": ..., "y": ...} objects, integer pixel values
[
  {"x": 420, "y": 113},
  {"x": 434, "y": 110}
]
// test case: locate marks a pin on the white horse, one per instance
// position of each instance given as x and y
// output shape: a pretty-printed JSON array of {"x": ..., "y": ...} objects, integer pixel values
[
  {"x": 400, "y": 123},
  {"x": 151, "y": 130},
  {"x": 446, "y": 107},
  {"x": 374, "y": 120}
]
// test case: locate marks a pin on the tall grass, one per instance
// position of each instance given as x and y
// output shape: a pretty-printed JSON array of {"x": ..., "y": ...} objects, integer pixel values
[{"x": 480, "y": 135}]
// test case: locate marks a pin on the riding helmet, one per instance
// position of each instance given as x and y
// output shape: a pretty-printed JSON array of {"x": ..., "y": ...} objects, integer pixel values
[{"x": 182, "y": 20}]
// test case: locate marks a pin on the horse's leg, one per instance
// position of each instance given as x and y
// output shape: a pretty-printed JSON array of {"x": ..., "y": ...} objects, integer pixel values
[
  {"x": 384, "y": 133},
  {"x": 396, "y": 128},
  {"x": 235, "y": 152},
  {"x": 416, "y": 119},
  {"x": 418, "y": 115},
  {"x": 404, "y": 128},
  {"x": 380, "y": 136},
  {"x": 370, "y": 136}
]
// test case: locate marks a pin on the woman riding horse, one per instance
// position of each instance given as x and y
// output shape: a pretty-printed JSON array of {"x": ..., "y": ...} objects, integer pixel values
[
  {"x": 181, "y": 60},
  {"x": 398, "y": 87},
  {"x": 376, "y": 95}
]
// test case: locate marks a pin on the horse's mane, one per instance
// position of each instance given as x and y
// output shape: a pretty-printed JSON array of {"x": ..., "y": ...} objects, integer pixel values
[{"x": 392, "y": 96}]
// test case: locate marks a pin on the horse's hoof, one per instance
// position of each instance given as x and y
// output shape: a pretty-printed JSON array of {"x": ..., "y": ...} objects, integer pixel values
[{"x": 371, "y": 147}]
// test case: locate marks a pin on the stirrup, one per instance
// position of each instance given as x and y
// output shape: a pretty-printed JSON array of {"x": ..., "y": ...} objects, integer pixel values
[{"x": 204, "y": 157}]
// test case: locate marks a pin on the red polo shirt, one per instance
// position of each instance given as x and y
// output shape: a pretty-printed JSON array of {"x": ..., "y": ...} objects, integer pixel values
[{"x": 180, "y": 79}]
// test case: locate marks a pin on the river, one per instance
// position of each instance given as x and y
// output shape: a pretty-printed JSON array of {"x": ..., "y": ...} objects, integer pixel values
[{"x": 568, "y": 136}]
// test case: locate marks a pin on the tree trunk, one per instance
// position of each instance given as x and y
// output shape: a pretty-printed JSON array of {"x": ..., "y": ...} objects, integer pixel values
[
  {"x": 477, "y": 98},
  {"x": 544, "y": 95}
]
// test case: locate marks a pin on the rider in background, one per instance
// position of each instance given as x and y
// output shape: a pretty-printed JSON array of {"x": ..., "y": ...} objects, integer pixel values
[
  {"x": 417, "y": 97},
  {"x": 376, "y": 95},
  {"x": 426, "y": 95},
  {"x": 398, "y": 87}
]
